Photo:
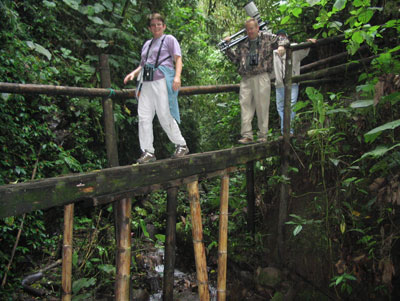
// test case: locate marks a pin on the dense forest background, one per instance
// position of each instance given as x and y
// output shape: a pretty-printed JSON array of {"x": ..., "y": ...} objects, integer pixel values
[{"x": 342, "y": 235}]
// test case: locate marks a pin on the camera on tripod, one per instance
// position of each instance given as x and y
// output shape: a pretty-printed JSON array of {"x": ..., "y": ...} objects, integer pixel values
[{"x": 252, "y": 12}]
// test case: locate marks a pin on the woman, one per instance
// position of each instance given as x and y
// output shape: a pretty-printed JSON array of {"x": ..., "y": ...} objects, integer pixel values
[{"x": 157, "y": 90}]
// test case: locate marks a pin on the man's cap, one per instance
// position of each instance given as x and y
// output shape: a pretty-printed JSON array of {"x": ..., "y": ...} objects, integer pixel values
[{"x": 281, "y": 31}]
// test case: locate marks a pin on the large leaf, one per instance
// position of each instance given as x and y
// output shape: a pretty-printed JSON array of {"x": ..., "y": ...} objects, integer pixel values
[
  {"x": 374, "y": 133},
  {"x": 82, "y": 283},
  {"x": 362, "y": 103},
  {"x": 365, "y": 16},
  {"x": 39, "y": 48},
  {"x": 96, "y": 20},
  {"x": 313, "y": 2},
  {"x": 358, "y": 37},
  {"x": 73, "y": 3},
  {"x": 297, "y": 11},
  {"x": 379, "y": 151},
  {"x": 340, "y": 4}
]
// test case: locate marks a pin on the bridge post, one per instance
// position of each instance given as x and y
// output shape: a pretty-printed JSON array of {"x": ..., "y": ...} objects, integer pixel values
[
  {"x": 284, "y": 194},
  {"x": 122, "y": 208},
  {"x": 223, "y": 237},
  {"x": 67, "y": 252},
  {"x": 250, "y": 196},
  {"x": 198, "y": 244},
  {"x": 170, "y": 243}
]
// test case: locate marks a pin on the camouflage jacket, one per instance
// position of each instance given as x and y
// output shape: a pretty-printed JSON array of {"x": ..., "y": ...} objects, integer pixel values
[{"x": 267, "y": 43}]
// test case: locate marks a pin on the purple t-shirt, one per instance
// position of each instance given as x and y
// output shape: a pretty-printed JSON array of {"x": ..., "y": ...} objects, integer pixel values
[{"x": 170, "y": 47}]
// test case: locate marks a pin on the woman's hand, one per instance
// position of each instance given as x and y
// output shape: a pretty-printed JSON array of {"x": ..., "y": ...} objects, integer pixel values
[
  {"x": 176, "y": 84},
  {"x": 132, "y": 75}
]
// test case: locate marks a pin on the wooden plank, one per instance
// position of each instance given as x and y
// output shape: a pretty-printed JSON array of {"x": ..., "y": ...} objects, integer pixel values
[{"x": 25, "y": 197}]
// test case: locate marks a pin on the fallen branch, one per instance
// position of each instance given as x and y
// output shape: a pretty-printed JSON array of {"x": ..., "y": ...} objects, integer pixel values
[{"x": 32, "y": 278}]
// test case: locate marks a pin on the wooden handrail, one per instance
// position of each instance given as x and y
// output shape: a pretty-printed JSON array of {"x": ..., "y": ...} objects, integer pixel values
[{"x": 103, "y": 92}]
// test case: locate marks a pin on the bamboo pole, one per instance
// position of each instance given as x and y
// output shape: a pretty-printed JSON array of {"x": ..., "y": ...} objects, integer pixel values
[
  {"x": 67, "y": 252},
  {"x": 250, "y": 196},
  {"x": 223, "y": 238},
  {"x": 123, "y": 250},
  {"x": 198, "y": 245},
  {"x": 170, "y": 242},
  {"x": 285, "y": 156},
  {"x": 122, "y": 208}
]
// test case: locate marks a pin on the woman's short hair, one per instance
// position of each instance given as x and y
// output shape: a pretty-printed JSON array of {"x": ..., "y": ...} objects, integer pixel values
[{"x": 155, "y": 16}]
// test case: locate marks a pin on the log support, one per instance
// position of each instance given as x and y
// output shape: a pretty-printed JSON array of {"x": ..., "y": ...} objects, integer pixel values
[
  {"x": 170, "y": 243},
  {"x": 123, "y": 260},
  {"x": 67, "y": 253},
  {"x": 223, "y": 238},
  {"x": 198, "y": 244},
  {"x": 284, "y": 193},
  {"x": 250, "y": 196}
]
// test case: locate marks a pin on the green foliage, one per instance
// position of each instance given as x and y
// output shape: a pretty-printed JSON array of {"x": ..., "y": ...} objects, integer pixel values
[
  {"x": 299, "y": 222},
  {"x": 344, "y": 282}
]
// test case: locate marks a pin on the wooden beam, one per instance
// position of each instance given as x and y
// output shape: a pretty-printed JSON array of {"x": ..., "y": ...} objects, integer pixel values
[
  {"x": 104, "y": 92},
  {"x": 332, "y": 70},
  {"x": 16, "y": 199}
]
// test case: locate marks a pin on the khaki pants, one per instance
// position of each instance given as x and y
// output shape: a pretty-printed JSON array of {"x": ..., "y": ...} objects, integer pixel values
[{"x": 255, "y": 93}]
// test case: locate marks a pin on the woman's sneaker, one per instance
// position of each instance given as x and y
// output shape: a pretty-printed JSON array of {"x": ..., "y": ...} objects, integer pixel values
[
  {"x": 180, "y": 151},
  {"x": 146, "y": 157}
]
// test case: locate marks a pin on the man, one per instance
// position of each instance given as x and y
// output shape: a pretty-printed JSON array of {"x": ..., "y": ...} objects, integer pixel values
[
  {"x": 279, "y": 70},
  {"x": 254, "y": 57},
  {"x": 157, "y": 90}
]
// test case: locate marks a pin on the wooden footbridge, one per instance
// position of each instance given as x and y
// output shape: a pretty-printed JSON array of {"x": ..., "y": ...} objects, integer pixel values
[{"x": 118, "y": 184}]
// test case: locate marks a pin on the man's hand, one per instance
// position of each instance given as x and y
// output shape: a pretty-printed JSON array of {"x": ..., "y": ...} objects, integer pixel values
[
  {"x": 281, "y": 51},
  {"x": 312, "y": 40}
]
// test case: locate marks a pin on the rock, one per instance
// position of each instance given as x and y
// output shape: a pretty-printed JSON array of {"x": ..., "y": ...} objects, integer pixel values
[
  {"x": 140, "y": 295},
  {"x": 268, "y": 277},
  {"x": 186, "y": 296},
  {"x": 247, "y": 278}
]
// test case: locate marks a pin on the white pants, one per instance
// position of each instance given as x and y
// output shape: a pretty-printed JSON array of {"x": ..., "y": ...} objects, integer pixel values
[
  {"x": 255, "y": 93},
  {"x": 154, "y": 100}
]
